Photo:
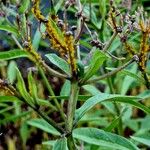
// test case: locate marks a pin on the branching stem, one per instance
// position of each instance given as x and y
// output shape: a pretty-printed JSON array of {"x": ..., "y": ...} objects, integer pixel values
[
  {"x": 112, "y": 72},
  {"x": 107, "y": 46}
]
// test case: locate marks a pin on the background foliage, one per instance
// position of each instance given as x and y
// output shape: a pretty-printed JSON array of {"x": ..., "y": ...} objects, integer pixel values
[{"x": 114, "y": 110}]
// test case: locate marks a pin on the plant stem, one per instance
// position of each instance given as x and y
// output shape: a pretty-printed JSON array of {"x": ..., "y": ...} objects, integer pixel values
[
  {"x": 112, "y": 72},
  {"x": 16, "y": 41},
  {"x": 146, "y": 79},
  {"x": 71, "y": 112},
  {"x": 72, "y": 105},
  {"x": 71, "y": 144},
  {"x": 112, "y": 91},
  {"x": 52, "y": 71},
  {"x": 110, "y": 42},
  {"x": 120, "y": 125},
  {"x": 52, "y": 93}
]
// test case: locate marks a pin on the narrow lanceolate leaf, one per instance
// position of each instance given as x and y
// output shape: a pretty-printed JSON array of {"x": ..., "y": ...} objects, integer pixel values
[
  {"x": 130, "y": 74},
  {"x": 102, "y": 97},
  {"x": 9, "y": 29},
  {"x": 24, "y": 132},
  {"x": 15, "y": 117},
  {"x": 59, "y": 62},
  {"x": 115, "y": 122},
  {"x": 24, "y": 6},
  {"x": 22, "y": 88},
  {"x": 50, "y": 143},
  {"x": 11, "y": 71},
  {"x": 143, "y": 140},
  {"x": 102, "y": 8},
  {"x": 101, "y": 138},
  {"x": 43, "y": 125},
  {"x": 8, "y": 99},
  {"x": 12, "y": 54},
  {"x": 96, "y": 62},
  {"x": 58, "y": 5},
  {"x": 65, "y": 90},
  {"x": 37, "y": 36},
  {"x": 32, "y": 85},
  {"x": 60, "y": 144}
]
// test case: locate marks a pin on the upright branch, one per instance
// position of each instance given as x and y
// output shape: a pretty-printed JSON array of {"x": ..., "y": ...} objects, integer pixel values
[
  {"x": 61, "y": 41},
  {"x": 109, "y": 74}
]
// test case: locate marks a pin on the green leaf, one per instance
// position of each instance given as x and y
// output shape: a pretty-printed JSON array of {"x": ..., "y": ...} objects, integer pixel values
[
  {"x": 8, "y": 108},
  {"x": 43, "y": 125},
  {"x": 97, "y": 60},
  {"x": 95, "y": 22},
  {"x": 24, "y": 132},
  {"x": 115, "y": 122},
  {"x": 133, "y": 75},
  {"x": 58, "y": 5},
  {"x": 9, "y": 29},
  {"x": 102, "y": 8},
  {"x": 14, "y": 117},
  {"x": 80, "y": 70},
  {"x": 37, "y": 36},
  {"x": 94, "y": 91},
  {"x": 59, "y": 62},
  {"x": 24, "y": 6},
  {"x": 12, "y": 54},
  {"x": 91, "y": 102},
  {"x": 91, "y": 89},
  {"x": 22, "y": 88},
  {"x": 65, "y": 90},
  {"x": 93, "y": 119},
  {"x": 130, "y": 74},
  {"x": 101, "y": 138},
  {"x": 145, "y": 125},
  {"x": 32, "y": 86},
  {"x": 128, "y": 81},
  {"x": 8, "y": 99},
  {"x": 145, "y": 94},
  {"x": 11, "y": 72},
  {"x": 49, "y": 143},
  {"x": 143, "y": 140},
  {"x": 60, "y": 144},
  {"x": 80, "y": 97},
  {"x": 45, "y": 103}
]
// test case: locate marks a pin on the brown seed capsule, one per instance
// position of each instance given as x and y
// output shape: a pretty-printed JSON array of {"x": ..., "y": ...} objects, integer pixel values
[
  {"x": 69, "y": 33},
  {"x": 26, "y": 44},
  {"x": 119, "y": 29},
  {"x": 73, "y": 28}
]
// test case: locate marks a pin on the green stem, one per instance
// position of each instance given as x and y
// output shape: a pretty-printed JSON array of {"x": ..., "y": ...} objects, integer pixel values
[
  {"x": 110, "y": 42},
  {"x": 72, "y": 105},
  {"x": 71, "y": 144},
  {"x": 52, "y": 71},
  {"x": 120, "y": 125},
  {"x": 146, "y": 79},
  {"x": 112, "y": 90},
  {"x": 49, "y": 88},
  {"x": 109, "y": 74},
  {"x": 71, "y": 112}
]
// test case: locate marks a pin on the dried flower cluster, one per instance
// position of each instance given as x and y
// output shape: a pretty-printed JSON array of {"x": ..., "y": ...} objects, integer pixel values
[{"x": 63, "y": 41}]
